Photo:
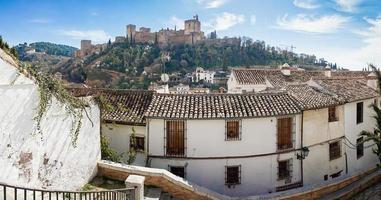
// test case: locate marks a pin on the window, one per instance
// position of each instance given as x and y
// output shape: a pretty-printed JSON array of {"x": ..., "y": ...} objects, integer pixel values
[
  {"x": 360, "y": 147},
  {"x": 232, "y": 175},
  {"x": 137, "y": 143},
  {"x": 177, "y": 170},
  {"x": 175, "y": 138},
  {"x": 332, "y": 114},
  {"x": 334, "y": 150},
  {"x": 233, "y": 130},
  {"x": 285, "y": 133},
  {"x": 359, "y": 112},
  {"x": 375, "y": 102},
  {"x": 284, "y": 169}
]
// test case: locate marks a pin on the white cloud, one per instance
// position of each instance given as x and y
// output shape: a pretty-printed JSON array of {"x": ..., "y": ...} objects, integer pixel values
[
  {"x": 40, "y": 20},
  {"x": 212, "y": 3},
  {"x": 359, "y": 57},
  {"x": 306, "y": 4},
  {"x": 348, "y": 5},
  {"x": 175, "y": 21},
  {"x": 97, "y": 36},
  {"x": 371, "y": 37},
  {"x": 312, "y": 24},
  {"x": 253, "y": 19},
  {"x": 224, "y": 21}
]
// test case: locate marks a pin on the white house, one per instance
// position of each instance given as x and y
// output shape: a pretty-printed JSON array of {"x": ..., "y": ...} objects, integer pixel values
[
  {"x": 217, "y": 140},
  {"x": 322, "y": 133},
  {"x": 203, "y": 75},
  {"x": 123, "y": 115},
  {"x": 358, "y": 94},
  {"x": 301, "y": 131},
  {"x": 46, "y": 158}
]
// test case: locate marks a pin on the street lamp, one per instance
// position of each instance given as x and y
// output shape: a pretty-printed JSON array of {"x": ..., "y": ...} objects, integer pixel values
[{"x": 303, "y": 153}]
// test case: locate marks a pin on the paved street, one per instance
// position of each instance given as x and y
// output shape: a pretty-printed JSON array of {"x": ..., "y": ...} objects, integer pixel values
[{"x": 372, "y": 193}]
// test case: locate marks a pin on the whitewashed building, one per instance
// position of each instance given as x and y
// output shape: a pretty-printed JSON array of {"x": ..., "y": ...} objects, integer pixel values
[
  {"x": 203, "y": 75},
  {"x": 216, "y": 140},
  {"x": 358, "y": 95},
  {"x": 303, "y": 130}
]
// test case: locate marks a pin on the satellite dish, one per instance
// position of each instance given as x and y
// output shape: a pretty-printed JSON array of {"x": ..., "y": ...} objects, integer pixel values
[{"x": 164, "y": 78}]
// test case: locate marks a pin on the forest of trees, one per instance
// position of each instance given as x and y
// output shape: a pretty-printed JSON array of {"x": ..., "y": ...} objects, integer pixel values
[
  {"x": 132, "y": 59},
  {"x": 47, "y": 47}
]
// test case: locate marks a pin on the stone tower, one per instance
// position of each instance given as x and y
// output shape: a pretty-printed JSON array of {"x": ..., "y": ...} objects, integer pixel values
[
  {"x": 192, "y": 26},
  {"x": 131, "y": 31}
]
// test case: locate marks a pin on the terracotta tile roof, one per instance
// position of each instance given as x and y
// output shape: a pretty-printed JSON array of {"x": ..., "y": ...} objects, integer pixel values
[
  {"x": 253, "y": 76},
  {"x": 348, "y": 89},
  {"x": 274, "y": 76},
  {"x": 119, "y": 106},
  {"x": 221, "y": 106},
  {"x": 350, "y": 74},
  {"x": 127, "y": 106},
  {"x": 309, "y": 97}
]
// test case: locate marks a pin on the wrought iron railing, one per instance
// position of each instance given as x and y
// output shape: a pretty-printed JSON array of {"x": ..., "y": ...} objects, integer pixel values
[{"x": 9, "y": 192}]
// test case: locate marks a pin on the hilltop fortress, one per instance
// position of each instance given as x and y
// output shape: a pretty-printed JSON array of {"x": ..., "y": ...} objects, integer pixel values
[{"x": 191, "y": 34}]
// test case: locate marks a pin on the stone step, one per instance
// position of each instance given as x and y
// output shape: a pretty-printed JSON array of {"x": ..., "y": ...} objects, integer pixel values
[{"x": 153, "y": 194}]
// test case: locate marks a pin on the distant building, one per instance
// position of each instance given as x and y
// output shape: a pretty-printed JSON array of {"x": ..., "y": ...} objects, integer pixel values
[
  {"x": 203, "y": 75},
  {"x": 179, "y": 89}
]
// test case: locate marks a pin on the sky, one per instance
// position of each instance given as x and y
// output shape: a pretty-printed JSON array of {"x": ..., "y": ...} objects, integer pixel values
[{"x": 346, "y": 32}]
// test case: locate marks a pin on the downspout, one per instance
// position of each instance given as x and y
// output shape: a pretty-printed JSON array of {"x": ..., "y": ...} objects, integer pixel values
[
  {"x": 147, "y": 131},
  {"x": 301, "y": 145}
]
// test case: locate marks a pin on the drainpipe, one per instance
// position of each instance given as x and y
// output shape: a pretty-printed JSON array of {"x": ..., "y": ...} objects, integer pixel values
[
  {"x": 301, "y": 145},
  {"x": 147, "y": 132}
]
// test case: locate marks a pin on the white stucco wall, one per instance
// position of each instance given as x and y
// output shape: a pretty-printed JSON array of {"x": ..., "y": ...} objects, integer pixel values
[
  {"x": 119, "y": 137},
  {"x": 47, "y": 159},
  {"x": 352, "y": 131},
  {"x": 317, "y": 134},
  {"x": 206, "y": 139}
]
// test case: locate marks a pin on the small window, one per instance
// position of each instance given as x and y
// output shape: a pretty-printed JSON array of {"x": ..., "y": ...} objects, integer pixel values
[
  {"x": 137, "y": 142},
  {"x": 375, "y": 102},
  {"x": 177, "y": 170},
  {"x": 334, "y": 150},
  {"x": 284, "y": 169},
  {"x": 360, "y": 147},
  {"x": 233, "y": 175},
  {"x": 233, "y": 130},
  {"x": 359, "y": 112},
  {"x": 332, "y": 117}
]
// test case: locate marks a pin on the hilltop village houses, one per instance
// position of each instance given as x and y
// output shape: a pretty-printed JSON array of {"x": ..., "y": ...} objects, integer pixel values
[{"x": 276, "y": 129}]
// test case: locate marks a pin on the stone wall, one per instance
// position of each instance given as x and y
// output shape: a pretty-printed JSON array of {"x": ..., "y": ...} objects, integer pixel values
[{"x": 168, "y": 182}]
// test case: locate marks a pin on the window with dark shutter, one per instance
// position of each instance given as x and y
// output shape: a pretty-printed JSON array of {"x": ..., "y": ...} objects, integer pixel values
[
  {"x": 334, "y": 150},
  {"x": 137, "y": 143},
  {"x": 332, "y": 114},
  {"x": 233, "y": 175},
  {"x": 175, "y": 138},
  {"x": 233, "y": 130},
  {"x": 283, "y": 169},
  {"x": 284, "y": 133},
  {"x": 359, "y": 112},
  {"x": 360, "y": 147},
  {"x": 177, "y": 170}
]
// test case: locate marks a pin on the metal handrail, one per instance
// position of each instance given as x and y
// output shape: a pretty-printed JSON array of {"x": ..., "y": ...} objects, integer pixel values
[{"x": 10, "y": 192}]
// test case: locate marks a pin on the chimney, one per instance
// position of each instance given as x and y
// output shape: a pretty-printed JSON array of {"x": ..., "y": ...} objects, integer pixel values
[
  {"x": 286, "y": 69},
  {"x": 327, "y": 72},
  {"x": 372, "y": 81}
]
